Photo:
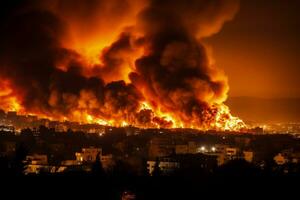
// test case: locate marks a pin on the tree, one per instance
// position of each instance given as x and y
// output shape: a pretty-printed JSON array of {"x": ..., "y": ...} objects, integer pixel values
[
  {"x": 19, "y": 164},
  {"x": 144, "y": 171},
  {"x": 97, "y": 168},
  {"x": 27, "y": 132},
  {"x": 4, "y": 165},
  {"x": 123, "y": 169},
  {"x": 156, "y": 171}
]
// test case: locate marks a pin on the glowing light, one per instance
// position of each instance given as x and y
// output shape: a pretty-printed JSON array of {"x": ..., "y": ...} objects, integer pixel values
[
  {"x": 219, "y": 119},
  {"x": 102, "y": 122},
  {"x": 203, "y": 148},
  {"x": 89, "y": 118},
  {"x": 145, "y": 106},
  {"x": 225, "y": 121},
  {"x": 124, "y": 124}
]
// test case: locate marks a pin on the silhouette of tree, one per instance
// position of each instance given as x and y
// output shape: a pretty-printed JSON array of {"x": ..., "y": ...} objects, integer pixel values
[
  {"x": 19, "y": 164},
  {"x": 156, "y": 171},
  {"x": 238, "y": 167},
  {"x": 4, "y": 165},
  {"x": 45, "y": 133},
  {"x": 26, "y": 132},
  {"x": 144, "y": 171},
  {"x": 122, "y": 169},
  {"x": 97, "y": 168}
]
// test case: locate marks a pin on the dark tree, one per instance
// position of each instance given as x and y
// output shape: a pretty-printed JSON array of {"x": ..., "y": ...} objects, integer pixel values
[
  {"x": 123, "y": 169},
  {"x": 4, "y": 165},
  {"x": 144, "y": 171},
  {"x": 156, "y": 171},
  {"x": 97, "y": 168},
  {"x": 26, "y": 132},
  {"x": 238, "y": 168},
  {"x": 19, "y": 164}
]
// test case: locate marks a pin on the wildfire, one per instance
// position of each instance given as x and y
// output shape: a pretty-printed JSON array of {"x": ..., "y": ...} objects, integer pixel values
[
  {"x": 225, "y": 121},
  {"x": 8, "y": 101},
  {"x": 150, "y": 70}
]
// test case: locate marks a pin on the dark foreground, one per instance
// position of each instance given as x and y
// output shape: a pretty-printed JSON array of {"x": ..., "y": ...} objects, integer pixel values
[{"x": 94, "y": 187}]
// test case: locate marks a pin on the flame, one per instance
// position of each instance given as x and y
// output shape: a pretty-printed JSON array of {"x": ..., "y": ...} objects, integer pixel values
[
  {"x": 8, "y": 100},
  {"x": 225, "y": 121},
  {"x": 131, "y": 74},
  {"x": 218, "y": 115},
  {"x": 222, "y": 120}
]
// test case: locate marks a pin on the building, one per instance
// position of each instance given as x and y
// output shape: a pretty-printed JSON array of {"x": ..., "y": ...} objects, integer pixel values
[
  {"x": 88, "y": 154},
  {"x": 36, "y": 163},
  {"x": 181, "y": 149},
  {"x": 10, "y": 129},
  {"x": 166, "y": 165},
  {"x": 38, "y": 159},
  {"x": 70, "y": 162},
  {"x": 287, "y": 156},
  {"x": 161, "y": 147},
  {"x": 219, "y": 151},
  {"x": 225, "y": 153},
  {"x": 192, "y": 147},
  {"x": 231, "y": 153},
  {"x": 107, "y": 161},
  {"x": 189, "y": 148},
  {"x": 280, "y": 159},
  {"x": 295, "y": 157},
  {"x": 244, "y": 141},
  {"x": 248, "y": 156},
  {"x": 7, "y": 147}
]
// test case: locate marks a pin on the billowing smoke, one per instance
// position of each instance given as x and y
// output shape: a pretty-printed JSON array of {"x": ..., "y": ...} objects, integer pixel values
[{"x": 139, "y": 62}]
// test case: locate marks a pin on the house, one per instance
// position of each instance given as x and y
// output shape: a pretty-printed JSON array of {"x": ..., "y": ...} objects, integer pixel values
[
  {"x": 280, "y": 159},
  {"x": 88, "y": 154},
  {"x": 160, "y": 147},
  {"x": 166, "y": 165},
  {"x": 36, "y": 163},
  {"x": 248, "y": 156},
  {"x": 107, "y": 161}
]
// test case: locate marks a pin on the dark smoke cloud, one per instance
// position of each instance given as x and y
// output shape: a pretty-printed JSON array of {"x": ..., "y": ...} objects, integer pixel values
[
  {"x": 174, "y": 72},
  {"x": 29, "y": 53}
]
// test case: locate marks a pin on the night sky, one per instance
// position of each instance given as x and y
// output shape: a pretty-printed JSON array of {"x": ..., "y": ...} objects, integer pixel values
[{"x": 259, "y": 50}]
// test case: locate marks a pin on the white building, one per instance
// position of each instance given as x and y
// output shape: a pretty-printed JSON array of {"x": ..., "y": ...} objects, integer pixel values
[{"x": 165, "y": 165}]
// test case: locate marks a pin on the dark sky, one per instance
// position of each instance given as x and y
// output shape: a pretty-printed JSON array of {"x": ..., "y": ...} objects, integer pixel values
[{"x": 259, "y": 50}]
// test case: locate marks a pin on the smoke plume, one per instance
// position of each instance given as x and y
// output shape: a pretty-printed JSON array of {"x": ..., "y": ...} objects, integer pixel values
[{"x": 114, "y": 62}]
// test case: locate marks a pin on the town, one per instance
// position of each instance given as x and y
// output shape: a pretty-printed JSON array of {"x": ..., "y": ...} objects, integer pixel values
[
  {"x": 143, "y": 158},
  {"x": 142, "y": 151}
]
